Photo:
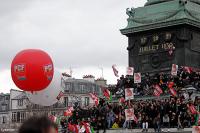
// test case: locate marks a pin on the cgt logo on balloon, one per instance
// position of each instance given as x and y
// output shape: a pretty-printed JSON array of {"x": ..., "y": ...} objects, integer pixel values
[{"x": 20, "y": 70}]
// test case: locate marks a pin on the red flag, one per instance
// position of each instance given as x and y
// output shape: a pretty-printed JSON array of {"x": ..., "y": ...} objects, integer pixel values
[
  {"x": 192, "y": 109},
  {"x": 69, "y": 111},
  {"x": 188, "y": 69},
  {"x": 158, "y": 88},
  {"x": 61, "y": 94},
  {"x": 135, "y": 118},
  {"x": 122, "y": 100},
  {"x": 115, "y": 70},
  {"x": 173, "y": 92},
  {"x": 107, "y": 94},
  {"x": 87, "y": 127},
  {"x": 156, "y": 93},
  {"x": 94, "y": 98},
  {"x": 73, "y": 128}
]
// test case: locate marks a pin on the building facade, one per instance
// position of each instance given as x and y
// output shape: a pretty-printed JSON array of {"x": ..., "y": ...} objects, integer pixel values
[
  {"x": 4, "y": 109},
  {"x": 77, "y": 91},
  {"x": 16, "y": 107}
]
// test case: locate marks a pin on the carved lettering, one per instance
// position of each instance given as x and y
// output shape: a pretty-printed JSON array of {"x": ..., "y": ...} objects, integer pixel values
[{"x": 152, "y": 48}]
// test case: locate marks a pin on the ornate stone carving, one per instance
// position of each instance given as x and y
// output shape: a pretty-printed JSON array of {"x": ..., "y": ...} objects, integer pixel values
[{"x": 130, "y": 12}]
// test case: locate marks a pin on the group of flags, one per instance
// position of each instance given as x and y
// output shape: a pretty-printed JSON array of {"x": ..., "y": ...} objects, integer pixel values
[{"x": 129, "y": 71}]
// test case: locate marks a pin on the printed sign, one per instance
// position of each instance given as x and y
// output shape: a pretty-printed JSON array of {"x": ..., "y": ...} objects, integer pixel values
[
  {"x": 137, "y": 77},
  {"x": 174, "y": 70},
  {"x": 129, "y": 94},
  {"x": 129, "y": 71},
  {"x": 129, "y": 114}
]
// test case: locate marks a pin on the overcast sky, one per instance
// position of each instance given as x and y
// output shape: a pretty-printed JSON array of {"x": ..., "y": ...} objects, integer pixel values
[{"x": 82, "y": 34}]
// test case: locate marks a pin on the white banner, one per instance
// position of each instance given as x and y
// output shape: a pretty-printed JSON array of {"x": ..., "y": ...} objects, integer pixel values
[
  {"x": 129, "y": 71},
  {"x": 129, "y": 94},
  {"x": 137, "y": 77}
]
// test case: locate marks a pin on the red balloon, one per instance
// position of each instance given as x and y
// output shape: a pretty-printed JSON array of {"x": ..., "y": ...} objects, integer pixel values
[{"x": 32, "y": 70}]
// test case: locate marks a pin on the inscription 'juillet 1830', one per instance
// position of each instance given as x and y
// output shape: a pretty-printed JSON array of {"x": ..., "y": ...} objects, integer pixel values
[{"x": 153, "y": 48}]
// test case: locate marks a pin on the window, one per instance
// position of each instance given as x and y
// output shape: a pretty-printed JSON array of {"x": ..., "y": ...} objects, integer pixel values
[
  {"x": 66, "y": 101},
  {"x": 67, "y": 87},
  {"x": 7, "y": 98},
  {"x": 82, "y": 87},
  {"x": 22, "y": 116},
  {"x": 14, "y": 116},
  {"x": 20, "y": 102},
  {"x": 87, "y": 101},
  {"x": 3, "y": 119},
  {"x": 3, "y": 107}
]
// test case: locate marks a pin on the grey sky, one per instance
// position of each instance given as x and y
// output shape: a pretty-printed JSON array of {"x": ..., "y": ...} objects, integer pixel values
[{"x": 83, "y": 34}]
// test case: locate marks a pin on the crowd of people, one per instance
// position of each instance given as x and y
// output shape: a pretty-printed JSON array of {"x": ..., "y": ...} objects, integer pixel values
[
  {"x": 158, "y": 113},
  {"x": 185, "y": 76}
]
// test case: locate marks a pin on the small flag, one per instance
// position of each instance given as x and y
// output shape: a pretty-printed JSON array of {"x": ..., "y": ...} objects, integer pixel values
[
  {"x": 135, "y": 118},
  {"x": 53, "y": 118},
  {"x": 107, "y": 94},
  {"x": 87, "y": 127},
  {"x": 73, "y": 128},
  {"x": 61, "y": 94},
  {"x": 94, "y": 98},
  {"x": 115, "y": 70},
  {"x": 129, "y": 94},
  {"x": 173, "y": 92},
  {"x": 69, "y": 111},
  {"x": 137, "y": 77},
  {"x": 188, "y": 69},
  {"x": 82, "y": 130},
  {"x": 158, "y": 88},
  {"x": 122, "y": 100},
  {"x": 129, "y": 71},
  {"x": 92, "y": 130},
  {"x": 192, "y": 109},
  {"x": 174, "y": 70},
  {"x": 156, "y": 93}
]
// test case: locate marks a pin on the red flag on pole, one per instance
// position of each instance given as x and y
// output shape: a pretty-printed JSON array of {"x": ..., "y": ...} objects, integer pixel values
[
  {"x": 61, "y": 94},
  {"x": 188, "y": 69},
  {"x": 158, "y": 88},
  {"x": 69, "y": 111},
  {"x": 173, "y": 92},
  {"x": 115, "y": 70},
  {"x": 192, "y": 109},
  {"x": 156, "y": 93},
  {"x": 94, "y": 98}
]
